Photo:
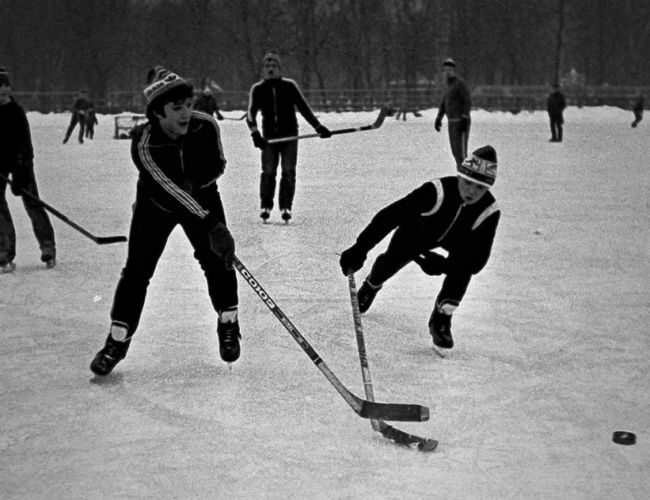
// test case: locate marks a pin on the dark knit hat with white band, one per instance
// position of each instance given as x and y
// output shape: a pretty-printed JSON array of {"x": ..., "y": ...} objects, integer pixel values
[
  {"x": 480, "y": 167},
  {"x": 160, "y": 81}
]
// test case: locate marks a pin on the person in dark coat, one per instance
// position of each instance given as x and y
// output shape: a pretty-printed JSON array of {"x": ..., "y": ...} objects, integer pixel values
[
  {"x": 457, "y": 105},
  {"x": 179, "y": 157},
  {"x": 91, "y": 121},
  {"x": 17, "y": 162},
  {"x": 555, "y": 105},
  {"x": 206, "y": 103},
  {"x": 637, "y": 109},
  {"x": 456, "y": 214},
  {"x": 277, "y": 98},
  {"x": 79, "y": 109}
]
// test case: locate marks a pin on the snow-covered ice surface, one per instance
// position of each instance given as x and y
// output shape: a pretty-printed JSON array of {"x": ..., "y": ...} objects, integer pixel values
[{"x": 552, "y": 338}]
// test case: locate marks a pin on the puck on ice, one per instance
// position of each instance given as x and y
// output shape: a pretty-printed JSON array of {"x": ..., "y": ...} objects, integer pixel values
[{"x": 624, "y": 437}]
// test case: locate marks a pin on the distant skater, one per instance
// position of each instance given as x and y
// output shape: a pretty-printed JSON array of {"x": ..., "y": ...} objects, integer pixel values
[
  {"x": 79, "y": 110},
  {"x": 555, "y": 105},
  {"x": 638, "y": 110}
]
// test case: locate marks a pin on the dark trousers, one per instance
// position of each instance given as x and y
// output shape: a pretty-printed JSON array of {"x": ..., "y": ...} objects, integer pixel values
[
  {"x": 76, "y": 118},
  {"x": 401, "y": 251},
  {"x": 38, "y": 216},
  {"x": 151, "y": 226},
  {"x": 458, "y": 139},
  {"x": 286, "y": 154},
  {"x": 638, "y": 116},
  {"x": 556, "y": 128}
]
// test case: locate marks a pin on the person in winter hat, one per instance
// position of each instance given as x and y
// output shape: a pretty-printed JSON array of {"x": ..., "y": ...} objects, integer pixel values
[
  {"x": 457, "y": 214},
  {"x": 17, "y": 162},
  {"x": 179, "y": 157},
  {"x": 277, "y": 98},
  {"x": 456, "y": 104}
]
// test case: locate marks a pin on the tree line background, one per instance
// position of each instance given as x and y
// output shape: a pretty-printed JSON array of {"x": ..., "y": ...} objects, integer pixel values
[{"x": 108, "y": 45}]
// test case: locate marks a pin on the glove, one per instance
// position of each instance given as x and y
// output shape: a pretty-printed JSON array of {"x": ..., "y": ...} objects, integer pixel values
[
  {"x": 438, "y": 124},
  {"x": 432, "y": 263},
  {"x": 18, "y": 183},
  {"x": 258, "y": 140},
  {"x": 352, "y": 260},
  {"x": 222, "y": 243},
  {"x": 323, "y": 131},
  {"x": 219, "y": 116}
]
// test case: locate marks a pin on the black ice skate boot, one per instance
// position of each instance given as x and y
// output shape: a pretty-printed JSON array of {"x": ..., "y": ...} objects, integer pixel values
[
  {"x": 113, "y": 351},
  {"x": 440, "y": 328},
  {"x": 367, "y": 294},
  {"x": 229, "y": 335}
]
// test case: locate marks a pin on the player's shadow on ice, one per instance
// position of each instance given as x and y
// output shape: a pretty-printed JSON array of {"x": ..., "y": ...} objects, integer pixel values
[{"x": 108, "y": 380}]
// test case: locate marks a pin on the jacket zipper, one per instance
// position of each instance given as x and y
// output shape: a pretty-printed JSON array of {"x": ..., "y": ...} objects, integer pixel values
[{"x": 452, "y": 223}]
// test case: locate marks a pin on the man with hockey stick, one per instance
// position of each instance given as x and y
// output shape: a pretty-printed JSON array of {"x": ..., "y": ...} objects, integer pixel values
[
  {"x": 179, "y": 156},
  {"x": 457, "y": 214},
  {"x": 456, "y": 104},
  {"x": 17, "y": 159},
  {"x": 278, "y": 98}
]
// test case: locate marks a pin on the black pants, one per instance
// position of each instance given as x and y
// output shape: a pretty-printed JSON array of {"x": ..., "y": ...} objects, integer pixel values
[
  {"x": 401, "y": 251},
  {"x": 272, "y": 155},
  {"x": 76, "y": 118},
  {"x": 151, "y": 226},
  {"x": 458, "y": 139},
  {"x": 37, "y": 215},
  {"x": 556, "y": 128},
  {"x": 638, "y": 116}
]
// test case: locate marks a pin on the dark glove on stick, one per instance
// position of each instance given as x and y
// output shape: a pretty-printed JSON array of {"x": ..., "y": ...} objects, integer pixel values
[
  {"x": 323, "y": 132},
  {"x": 432, "y": 263},
  {"x": 222, "y": 243},
  {"x": 258, "y": 140},
  {"x": 352, "y": 260}
]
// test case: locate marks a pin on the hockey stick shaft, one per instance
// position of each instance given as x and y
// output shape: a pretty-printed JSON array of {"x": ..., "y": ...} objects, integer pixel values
[
  {"x": 100, "y": 240},
  {"x": 378, "y": 122},
  {"x": 396, "y": 435},
  {"x": 363, "y": 408}
]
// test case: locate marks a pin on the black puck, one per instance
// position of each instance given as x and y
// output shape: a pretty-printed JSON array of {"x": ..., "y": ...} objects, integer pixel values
[{"x": 624, "y": 437}]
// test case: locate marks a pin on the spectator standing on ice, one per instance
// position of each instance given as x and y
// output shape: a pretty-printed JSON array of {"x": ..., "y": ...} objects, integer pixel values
[
  {"x": 79, "y": 110},
  {"x": 555, "y": 106},
  {"x": 179, "y": 157},
  {"x": 637, "y": 109},
  {"x": 457, "y": 214},
  {"x": 457, "y": 105},
  {"x": 17, "y": 161},
  {"x": 91, "y": 121},
  {"x": 206, "y": 103},
  {"x": 277, "y": 98}
]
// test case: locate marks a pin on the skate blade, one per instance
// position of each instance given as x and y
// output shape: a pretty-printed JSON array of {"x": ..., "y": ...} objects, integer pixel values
[{"x": 440, "y": 352}]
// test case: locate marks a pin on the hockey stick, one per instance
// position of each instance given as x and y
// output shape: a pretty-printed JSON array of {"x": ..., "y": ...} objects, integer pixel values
[
  {"x": 100, "y": 240},
  {"x": 378, "y": 122},
  {"x": 363, "y": 408},
  {"x": 396, "y": 435}
]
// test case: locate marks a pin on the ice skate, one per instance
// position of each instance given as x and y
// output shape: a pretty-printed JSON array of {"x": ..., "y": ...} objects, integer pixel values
[
  {"x": 8, "y": 267},
  {"x": 265, "y": 214},
  {"x": 286, "y": 215},
  {"x": 367, "y": 294},
  {"x": 440, "y": 328},
  {"x": 229, "y": 335},
  {"x": 112, "y": 353}
]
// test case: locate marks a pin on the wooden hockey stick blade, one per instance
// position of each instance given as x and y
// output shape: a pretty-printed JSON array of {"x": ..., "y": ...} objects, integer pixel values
[
  {"x": 383, "y": 112},
  {"x": 394, "y": 411},
  {"x": 405, "y": 439}
]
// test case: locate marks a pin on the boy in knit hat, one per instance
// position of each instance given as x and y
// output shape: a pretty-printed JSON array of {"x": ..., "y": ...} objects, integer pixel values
[
  {"x": 278, "y": 98},
  {"x": 457, "y": 214},
  {"x": 179, "y": 158},
  {"x": 17, "y": 160}
]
